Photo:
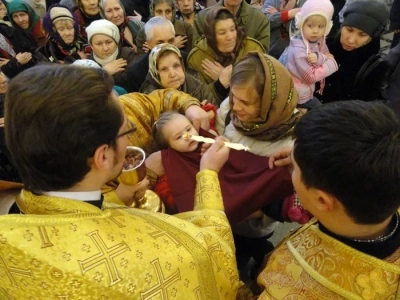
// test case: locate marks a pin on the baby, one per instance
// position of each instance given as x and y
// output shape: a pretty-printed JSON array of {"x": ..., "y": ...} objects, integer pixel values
[
  {"x": 244, "y": 171},
  {"x": 308, "y": 57},
  {"x": 254, "y": 195}
]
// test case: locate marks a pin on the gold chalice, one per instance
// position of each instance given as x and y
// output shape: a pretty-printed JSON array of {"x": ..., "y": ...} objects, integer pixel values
[{"x": 134, "y": 171}]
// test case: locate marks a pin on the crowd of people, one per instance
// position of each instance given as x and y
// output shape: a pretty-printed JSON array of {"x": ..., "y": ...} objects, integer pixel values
[{"x": 298, "y": 89}]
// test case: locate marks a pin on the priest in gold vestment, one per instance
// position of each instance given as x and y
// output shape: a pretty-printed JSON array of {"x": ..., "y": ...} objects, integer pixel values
[
  {"x": 68, "y": 133},
  {"x": 346, "y": 172}
]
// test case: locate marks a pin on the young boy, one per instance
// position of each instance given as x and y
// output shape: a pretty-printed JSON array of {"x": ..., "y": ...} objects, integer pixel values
[{"x": 347, "y": 174}]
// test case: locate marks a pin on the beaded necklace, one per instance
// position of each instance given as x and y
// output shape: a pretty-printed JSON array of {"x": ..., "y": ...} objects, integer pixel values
[{"x": 383, "y": 237}]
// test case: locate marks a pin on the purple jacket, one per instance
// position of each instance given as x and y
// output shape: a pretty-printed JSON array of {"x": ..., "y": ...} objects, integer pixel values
[{"x": 305, "y": 75}]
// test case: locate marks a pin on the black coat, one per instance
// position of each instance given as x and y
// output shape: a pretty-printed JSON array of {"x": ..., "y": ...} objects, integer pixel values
[
  {"x": 340, "y": 85},
  {"x": 50, "y": 52},
  {"x": 392, "y": 90},
  {"x": 395, "y": 15},
  {"x": 141, "y": 6},
  {"x": 21, "y": 42}
]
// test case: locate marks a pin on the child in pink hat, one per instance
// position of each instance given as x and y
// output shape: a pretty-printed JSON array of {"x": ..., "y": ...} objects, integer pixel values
[{"x": 308, "y": 58}]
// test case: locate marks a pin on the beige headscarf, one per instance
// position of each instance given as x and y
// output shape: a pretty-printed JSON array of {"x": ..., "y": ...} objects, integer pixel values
[{"x": 278, "y": 102}]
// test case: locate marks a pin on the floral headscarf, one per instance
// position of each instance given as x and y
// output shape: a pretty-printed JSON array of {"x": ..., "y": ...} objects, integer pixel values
[{"x": 155, "y": 54}]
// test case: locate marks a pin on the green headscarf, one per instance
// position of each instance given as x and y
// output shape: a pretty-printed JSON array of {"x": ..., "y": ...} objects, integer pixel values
[{"x": 19, "y": 5}]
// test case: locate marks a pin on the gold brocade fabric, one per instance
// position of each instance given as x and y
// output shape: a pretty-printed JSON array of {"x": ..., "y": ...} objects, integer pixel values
[
  {"x": 312, "y": 265},
  {"x": 67, "y": 249},
  {"x": 144, "y": 110}
]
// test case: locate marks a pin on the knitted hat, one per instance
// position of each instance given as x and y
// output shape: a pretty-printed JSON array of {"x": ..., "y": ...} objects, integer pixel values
[
  {"x": 60, "y": 13},
  {"x": 315, "y": 7},
  {"x": 103, "y": 27},
  {"x": 55, "y": 13},
  {"x": 368, "y": 16}
]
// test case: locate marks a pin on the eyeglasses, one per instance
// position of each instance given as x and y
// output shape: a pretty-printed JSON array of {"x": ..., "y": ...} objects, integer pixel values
[{"x": 132, "y": 130}]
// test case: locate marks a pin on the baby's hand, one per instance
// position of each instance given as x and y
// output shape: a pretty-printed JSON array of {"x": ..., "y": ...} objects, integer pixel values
[
  {"x": 329, "y": 55},
  {"x": 312, "y": 58}
]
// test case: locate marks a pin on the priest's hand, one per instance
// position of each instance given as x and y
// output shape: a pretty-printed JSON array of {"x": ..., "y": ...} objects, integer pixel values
[
  {"x": 281, "y": 158},
  {"x": 130, "y": 193},
  {"x": 215, "y": 156},
  {"x": 198, "y": 117}
]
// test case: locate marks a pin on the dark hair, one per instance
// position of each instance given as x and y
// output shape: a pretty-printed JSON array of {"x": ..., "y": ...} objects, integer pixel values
[
  {"x": 351, "y": 149},
  {"x": 55, "y": 123},
  {"x": 249, "y": 69},
  {"x": 157, "y": 133},
  {"x": 154, "y": 3}
]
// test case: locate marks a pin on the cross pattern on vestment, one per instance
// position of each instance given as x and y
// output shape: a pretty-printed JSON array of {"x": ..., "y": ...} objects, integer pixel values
[
  {"x": 160, "y": 289},
  {"x": 159, "y": 233},
  {"x": 10, "y": 271},
  {"x": 118, "y": 223},
  {"x": 5, "y": 294},
  {"x": 44, "y": 237},
  {"x": 211, "y": 249},
  {"x": 105, "y": 256},
  {"x": 201, "y": 190}
]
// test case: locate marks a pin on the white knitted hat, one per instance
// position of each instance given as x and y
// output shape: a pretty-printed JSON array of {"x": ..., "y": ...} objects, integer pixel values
[
  {"x": 315, "y": 7},
  {"x": 103, "y": 27}
]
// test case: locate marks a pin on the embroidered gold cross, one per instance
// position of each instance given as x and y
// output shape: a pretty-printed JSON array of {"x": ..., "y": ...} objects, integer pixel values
[
  {"x": 10, "y": 271},
  {"x": 160, "y": 288},
  {"x": 105, "y": 256}
]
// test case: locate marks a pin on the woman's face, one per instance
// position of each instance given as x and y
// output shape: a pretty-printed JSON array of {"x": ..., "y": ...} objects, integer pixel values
[
  {"x": 103, "y": 45},
  {"x": 21, "y": 19},
  {"x": 114, "y": 12},
  {"x": 352, "y": 38},
  {"x": 90, "y": 7},
  {"x": 246, "y": 102},
  {"x": 65, "y": 29},
  {"x": 163, "y": 10},
  {"x": 225, "y": 35},
  {"x": 3, "y": 10},
  {"x": 171, "y": 71}
]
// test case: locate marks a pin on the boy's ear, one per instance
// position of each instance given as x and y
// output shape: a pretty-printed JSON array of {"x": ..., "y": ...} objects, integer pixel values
[{"x": 325, "y": 201}]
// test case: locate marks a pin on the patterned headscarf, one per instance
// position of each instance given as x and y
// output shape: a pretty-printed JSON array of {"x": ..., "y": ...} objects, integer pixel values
[
  {"x": 155, "y": 54},
  {"x": 278, "y": 102},
  {"x": 6, "y": 46}
]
